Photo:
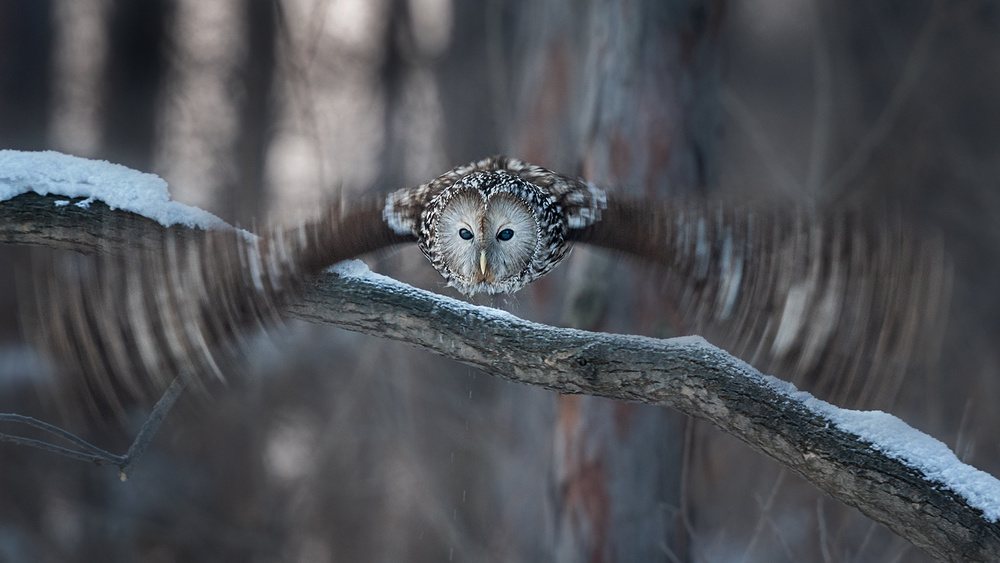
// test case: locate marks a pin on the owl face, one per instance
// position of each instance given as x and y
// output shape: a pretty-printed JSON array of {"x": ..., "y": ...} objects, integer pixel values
[
  {"x": 483, "y": 233},
  {"x": 485, "y": 242}
]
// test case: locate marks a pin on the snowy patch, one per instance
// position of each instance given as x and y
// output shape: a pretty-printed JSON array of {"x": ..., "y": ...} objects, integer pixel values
[
  {"x": 360, "y": 270},
  {"x": 693, "y": 341},
  {"x": 353, "y": 269},
  {"x": 900, "y": 441},
  {"x": 50, "y": 172}
]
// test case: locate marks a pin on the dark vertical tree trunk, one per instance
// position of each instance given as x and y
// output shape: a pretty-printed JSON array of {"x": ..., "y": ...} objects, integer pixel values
[
  {"x": 137, "y": 55},
  {"x": 624, "y": 93},
  {"x": 474, "y": 79},
  {"x": 25, "y": 56},
  {"x": 25, "y": 100},
  {"x": 396, "y": 63},
  {"x": 248, "y": 198}
]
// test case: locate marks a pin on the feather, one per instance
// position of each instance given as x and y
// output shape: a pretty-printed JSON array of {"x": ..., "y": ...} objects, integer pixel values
[
  {"x": 122, "y": 327},
  {"x": 842, "y": 301}
]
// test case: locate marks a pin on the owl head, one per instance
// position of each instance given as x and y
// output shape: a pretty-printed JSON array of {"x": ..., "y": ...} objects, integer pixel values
[
  {"x": 495, "y": 225},
  {"x": 492, "y": 232}
]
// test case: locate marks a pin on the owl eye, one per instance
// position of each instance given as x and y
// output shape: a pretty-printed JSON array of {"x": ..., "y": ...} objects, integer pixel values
[
  {"x": 466, "y": 234},
  {"x": 505, "y": 234}
]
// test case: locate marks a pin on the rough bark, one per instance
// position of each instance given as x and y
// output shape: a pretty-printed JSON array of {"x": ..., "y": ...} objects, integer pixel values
[{"x": 34, "y": 219}]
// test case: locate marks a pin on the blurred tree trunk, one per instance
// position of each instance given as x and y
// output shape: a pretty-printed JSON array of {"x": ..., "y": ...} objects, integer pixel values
[
  {"x": 623, "y": 93},
  {"x": 25, "y": 97},
  {"x": 247, "y": 198},
  {"x": 137, "y": 61},
  {"x": 25, "y": 51}
]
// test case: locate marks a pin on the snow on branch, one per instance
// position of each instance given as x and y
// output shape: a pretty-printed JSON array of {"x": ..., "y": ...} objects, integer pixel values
[
  {"x": 896, "y": 475},
  {"x": 893, "y": 473},
  {"x": 119, "y": 187}
]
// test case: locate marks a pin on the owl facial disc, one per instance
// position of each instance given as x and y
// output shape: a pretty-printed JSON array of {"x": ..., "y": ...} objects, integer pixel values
[{"x": 484, "y": 239}]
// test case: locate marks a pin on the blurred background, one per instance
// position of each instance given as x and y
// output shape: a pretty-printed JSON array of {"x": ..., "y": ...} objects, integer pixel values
[{"x": 333, "y": 446}]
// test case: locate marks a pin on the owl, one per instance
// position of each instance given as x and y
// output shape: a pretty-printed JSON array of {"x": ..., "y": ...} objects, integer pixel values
[
  {"x": 495, "y": 225},
  {"x": 845, "y": 293}
]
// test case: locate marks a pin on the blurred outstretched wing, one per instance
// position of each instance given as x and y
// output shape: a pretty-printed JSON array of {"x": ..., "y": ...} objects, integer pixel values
[
  {"x": 842, "y": 302},
  {"x": 125, "y": 326}
]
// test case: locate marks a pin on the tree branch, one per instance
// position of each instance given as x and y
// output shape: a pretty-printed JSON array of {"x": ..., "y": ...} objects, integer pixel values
[
  {"x": 85, "y": 451},
  {"x": 699, "y": 380},
  {"x": 33, "y": 219},
  {"x": 702, "y": 381}
]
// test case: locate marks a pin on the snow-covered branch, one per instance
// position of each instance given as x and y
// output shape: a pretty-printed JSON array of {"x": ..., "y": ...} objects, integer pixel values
[
  {"x": 896, "y": 475},
  {"x": 907, "y": 480}
]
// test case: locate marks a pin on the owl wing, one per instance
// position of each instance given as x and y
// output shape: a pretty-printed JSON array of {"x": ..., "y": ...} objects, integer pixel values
[
  {"x": 342, "y": 233},
  {"x": 843, "y": 301},
  {"x": 123, "y": 327}
]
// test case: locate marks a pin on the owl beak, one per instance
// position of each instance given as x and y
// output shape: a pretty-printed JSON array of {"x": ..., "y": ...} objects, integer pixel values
[{"x": 482, "y": 261}]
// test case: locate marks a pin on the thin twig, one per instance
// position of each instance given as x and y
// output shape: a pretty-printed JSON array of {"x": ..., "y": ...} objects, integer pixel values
[
  {"x": 65, "y": 435},
  {"x": 153, "y": 423},
  {"x": 765, "y": 510},
  {"x": 91, "y": 453},
  {"x": 95, "y": 458},
  {"x": 823, "y": 539}
]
